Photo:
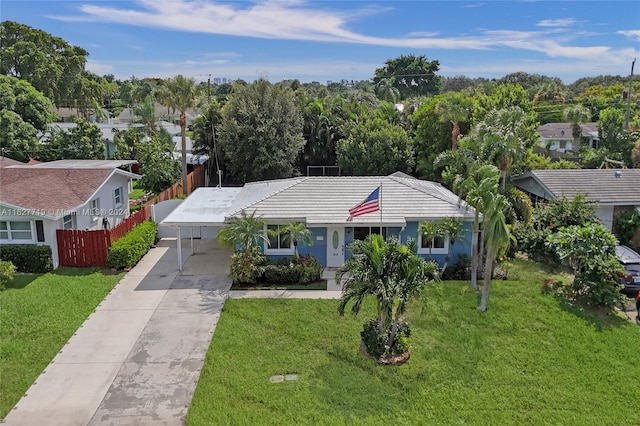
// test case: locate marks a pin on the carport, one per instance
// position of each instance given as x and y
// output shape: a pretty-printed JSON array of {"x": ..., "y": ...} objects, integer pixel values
[{"x": 206, "y": 207}]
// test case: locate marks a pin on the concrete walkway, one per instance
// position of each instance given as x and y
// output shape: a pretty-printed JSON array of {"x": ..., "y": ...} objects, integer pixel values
[{"x": 136, "y": 360}]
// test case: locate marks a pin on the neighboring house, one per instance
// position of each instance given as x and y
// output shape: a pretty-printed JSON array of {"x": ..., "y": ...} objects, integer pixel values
[
  {"x": 36, "y": 200},
  {"x": 558, "y": 137},
  {"x": 323, "y": 204},
  {"x": 109, "y": 130},
  {"x": 162, "y": 112},
  {"x": 614, "y": 190}
]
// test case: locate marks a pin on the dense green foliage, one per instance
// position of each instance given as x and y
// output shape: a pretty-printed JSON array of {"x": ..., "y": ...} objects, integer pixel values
[
  {"x": 7, "y": 272},
  {"x": 247, "y": 266},
  {"x": 83, "y": 142},
  {"x": 128, "y": 250},
  {"x": 28, "y": 258},
  {"x": 261, "y": 132},
  {"x": 627, "y": 225},
  {"x": 532, "y": 360},
  {"x": 24, "y": 112},
  {"x": 39, "y": 314},
  {"x": 590, "y": 250}
]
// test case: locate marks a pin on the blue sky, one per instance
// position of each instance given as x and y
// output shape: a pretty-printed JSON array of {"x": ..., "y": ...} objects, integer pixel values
[{"x": 333, "y": 40}]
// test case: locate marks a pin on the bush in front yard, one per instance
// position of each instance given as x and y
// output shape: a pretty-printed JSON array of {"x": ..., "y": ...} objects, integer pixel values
[
  {"x": 28, "y": 258},
  {"x": 295, "y": 270},
  {"x": 247, "y": 266},
  {"x": 128, "y": 250}
]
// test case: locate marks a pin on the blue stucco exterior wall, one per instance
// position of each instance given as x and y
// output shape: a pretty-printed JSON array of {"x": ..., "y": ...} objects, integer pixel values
[{"x": 319, "y": 247}]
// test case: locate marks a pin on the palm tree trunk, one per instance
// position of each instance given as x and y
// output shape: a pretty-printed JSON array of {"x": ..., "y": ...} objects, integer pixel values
[
  {"x": 392, "y": 334},
  {"x": 455, "y": 134},
  {"x": 484, "y": 300},
  {"x": 474, "y": 253},
  {"x": 183, "y": 134}
]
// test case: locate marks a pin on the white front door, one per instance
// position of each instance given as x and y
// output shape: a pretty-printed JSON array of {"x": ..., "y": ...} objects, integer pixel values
[{"x": 335, "y": 247}]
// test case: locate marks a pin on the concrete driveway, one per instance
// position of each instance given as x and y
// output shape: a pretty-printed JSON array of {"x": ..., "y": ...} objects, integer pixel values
[{"x": 136, "y": 360}]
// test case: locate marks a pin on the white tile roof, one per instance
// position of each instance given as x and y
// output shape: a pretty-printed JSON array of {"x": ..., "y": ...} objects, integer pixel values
[{"x": 327, "y": 200}]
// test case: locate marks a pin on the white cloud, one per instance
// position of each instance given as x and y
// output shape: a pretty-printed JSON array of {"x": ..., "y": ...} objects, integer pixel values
[
  {"x": 632, "y": 34},
  {"x": 98, "y": 68},
  {"x": 566, "y": 22},
  {"x": 302, "y": 21}
]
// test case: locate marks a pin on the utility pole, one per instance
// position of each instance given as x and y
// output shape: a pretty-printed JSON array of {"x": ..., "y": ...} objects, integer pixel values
[
  {"x": 209, "y": 87},
  {"x": 626, "y": 120}
]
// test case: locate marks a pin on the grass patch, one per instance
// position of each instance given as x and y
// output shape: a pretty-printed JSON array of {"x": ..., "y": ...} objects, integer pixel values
[
  {"x": 315, "y": 285},
  {"x": 529, "y": 360},
  {"x": 38, "y": 314},
  {"x": 137, "y": 191}
]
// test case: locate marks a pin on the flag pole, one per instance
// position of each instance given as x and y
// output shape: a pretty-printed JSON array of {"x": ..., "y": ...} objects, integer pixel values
[{"x": 380, "y": 206}]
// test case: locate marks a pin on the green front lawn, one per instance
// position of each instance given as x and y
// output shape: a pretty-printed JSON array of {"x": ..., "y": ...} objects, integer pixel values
[
  {"x": 38, "y": 314},
  {"x": 530, "y": 360}
]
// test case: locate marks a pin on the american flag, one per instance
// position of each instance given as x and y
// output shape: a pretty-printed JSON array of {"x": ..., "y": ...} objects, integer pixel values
[{"x": 369, "y": 205}]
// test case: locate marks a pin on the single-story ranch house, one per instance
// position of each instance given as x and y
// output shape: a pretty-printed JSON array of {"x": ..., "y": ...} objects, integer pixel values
[
  {"x": 614, "y": 190},
  {"x": 323, "y": 204},
  {"x": 36, "y": 200}
]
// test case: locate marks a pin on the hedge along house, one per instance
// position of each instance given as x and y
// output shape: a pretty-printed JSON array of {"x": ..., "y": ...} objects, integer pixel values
[
  {"x": 323, "y": 204},
  {"x": 36, "y": 200}
]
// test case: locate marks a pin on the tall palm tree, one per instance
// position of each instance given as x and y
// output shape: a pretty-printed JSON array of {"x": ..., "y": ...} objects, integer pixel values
[
  {"x": 504, "y": 136},
  {"x": 182, "y": 96},
  {"x": 497, "y": 238},
  {"x": 243, "y": 233},
  {"x": 576, "y": 115},
  {"x": 297, "y": 232},
  {"x": 454, "y": 108},
  {"x": 388, "y": 271},
  {"x": 476, "y": 190}
]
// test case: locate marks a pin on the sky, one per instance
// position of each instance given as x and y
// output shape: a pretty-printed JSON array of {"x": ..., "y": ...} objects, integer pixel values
[{"x": 333, "y": 40}]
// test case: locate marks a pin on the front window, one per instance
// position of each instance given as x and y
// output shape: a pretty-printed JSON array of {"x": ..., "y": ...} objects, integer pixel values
[
  {"x": 437, "y": 245},
  {"x": 278, "y": 240},
  {"x": 95, "y": 209},
  {"x": 16, "y": 231},
  {"x": 362, "y": 232}
]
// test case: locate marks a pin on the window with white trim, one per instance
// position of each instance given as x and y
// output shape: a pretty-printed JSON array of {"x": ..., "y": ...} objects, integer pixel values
[
  {"x": 117, "y": 197},
  {"x": 437, "y": 245},
  {"x": 67, "y": 222},
  {"x": 16, "y": 230},
  {"x": 279, "y": 242}
]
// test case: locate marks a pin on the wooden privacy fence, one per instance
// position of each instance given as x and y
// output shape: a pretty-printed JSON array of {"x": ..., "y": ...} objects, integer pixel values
[{"x": 90, "y": 248}]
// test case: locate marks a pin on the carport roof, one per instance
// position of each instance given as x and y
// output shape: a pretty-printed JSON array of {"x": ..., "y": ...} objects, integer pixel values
[{"x": 321, "y": 201}]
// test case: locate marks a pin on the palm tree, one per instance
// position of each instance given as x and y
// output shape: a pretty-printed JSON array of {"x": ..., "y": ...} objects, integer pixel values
[
  {"x": 388, "y": 271},
  {"x": 577, "y": 114},
  {"x": 497, "y": 238},
  {"x": 243, "y": 233},
  {"x": 504, "y": 135},
  {"x": 476, "y": 190},
  {"x": 454, "y": 108},
  {"x": 387, "y": 91},
  {"x": 453, "y": 229},
  {"x": 182, "y": 96},
  {"x": 297, "y": 232}
]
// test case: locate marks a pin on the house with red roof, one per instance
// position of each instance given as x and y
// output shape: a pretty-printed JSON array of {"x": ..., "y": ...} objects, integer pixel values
[{"x": 38, "y": 199}]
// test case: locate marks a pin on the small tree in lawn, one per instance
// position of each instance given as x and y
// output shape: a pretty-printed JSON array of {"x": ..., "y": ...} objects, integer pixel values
[
  {"x": 297, "y": 232},
  {"x": 393, "y": 274},
  {"x": 590, "y": 251}
]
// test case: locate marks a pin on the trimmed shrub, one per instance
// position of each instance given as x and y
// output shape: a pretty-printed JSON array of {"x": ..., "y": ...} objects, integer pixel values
[
  {"x": 293, "y": 270},
  {"x": 461, "y": 270},
  {"x": 28, "y": 258},
  {"x": 128, "y": 250},
  {"x": 247, "y": 266},
  {"x": 7, "y": 271},
  {"x": 376, "y": 343}
]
